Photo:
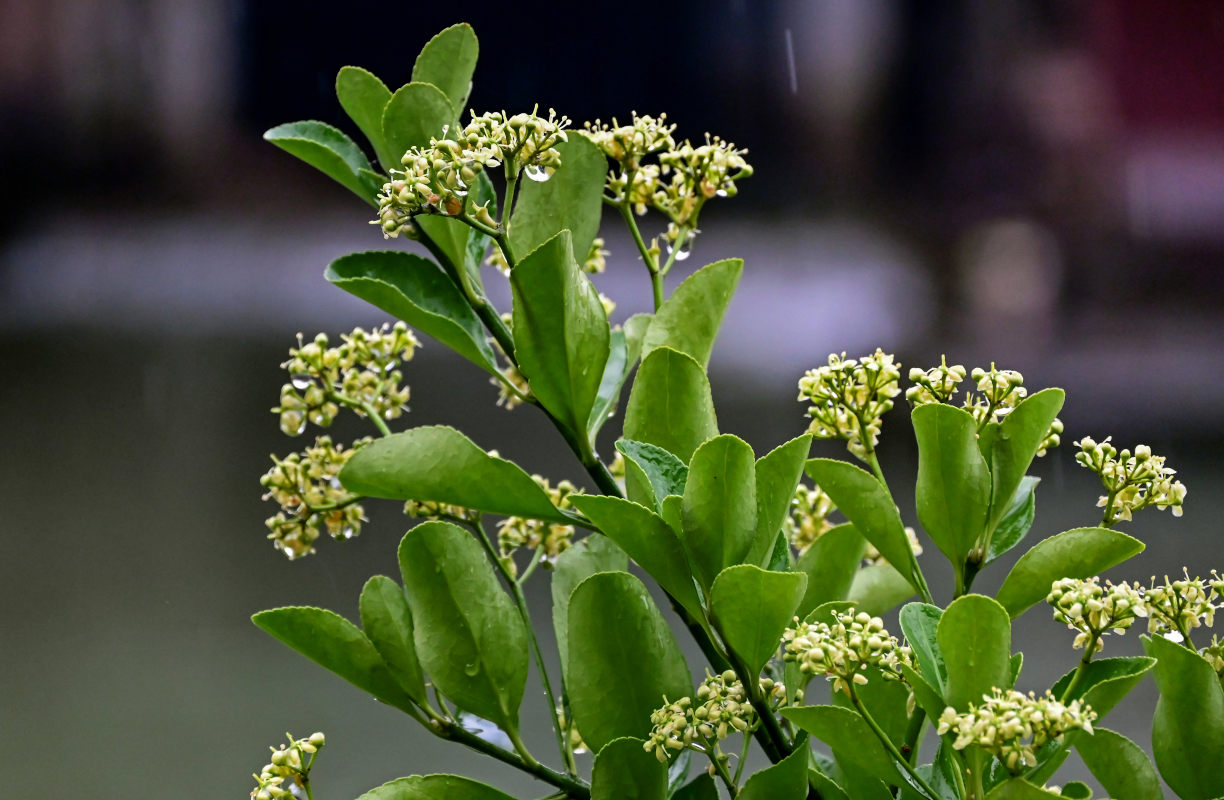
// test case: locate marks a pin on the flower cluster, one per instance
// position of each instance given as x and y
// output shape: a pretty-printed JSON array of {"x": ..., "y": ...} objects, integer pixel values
[
  {"x": 1175, "y": 608},
  {"x": 629, "y": 144},
  {"x": 361, "y": 373},
  {"x": 1013, "y": 726},
  {"x": 551, "y": 539},
  {"x": 311, "y": 499},
  {"x": 722, "y": 708},
  {"x": 808, "y": 517},
  {"x": 290, "y": 763},
  {"x": 430, "y": 509},
  {"x": 1214, "y": 655},
  {"x": 842, "y": 650},
  {"x": 1094, "y": 610},
  {"x": 1133, "y": 481},
  {"x": 936, "y": 385},
  {"x": 849, "y": 397}
]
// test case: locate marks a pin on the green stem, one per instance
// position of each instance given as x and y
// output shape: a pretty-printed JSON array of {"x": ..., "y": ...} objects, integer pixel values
[
  {"x": 306, "y": 787},
  {"x": 1105, "y": 518},
  {"x": 365, "y": 408},
  {"x": 888, "y": 745},
  {"x": 719, "y": 767},
  {"x": 656, "y": 277},
  {"x": 913, "y": 733},
  {"x": 1081, "y": 669},
  {"x": 743, "y": 757},
  {"x": 671, "y": 257},
  {"x": 779, "y": 747},
  {"x": 573, "y": 786},
  {"x": 978, "y": 790},
  {"x": 656, "y": 287}
]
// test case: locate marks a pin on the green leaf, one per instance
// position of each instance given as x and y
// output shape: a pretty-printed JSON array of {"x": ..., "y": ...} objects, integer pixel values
[
  {"x": 1016, "y": 520},
  {"x": 848, "y": 735},
  {"x": 786, "y": 780},
  {"x": 953, "y": 491},
  {"x": 920, "y": 623},
  {"x": 1123, "y": 769},
  {"x": 1076, "y": 790},
  {"x": 434, "y": 787},
  {"x": 677, "y": 771},
  {"x": 623, "y": 659},
  {"x": 648, "y": 540},
  {"x": 688, "y": 321},
  {"x": 780, "y": 559},
  {"x": 670, "y": 510},
  {"x": 1188, "y": 727},
  {"x": 777, "y": 475},
  {"x": 572, "y": 199},
  {"x": 879, "y": 588},
  {"x": 974, "y": 635},
  {"x": 438, "y": 463},
  {"x": 828, "y": 788},
  {"x": 581, "y": 561},
  {"x": 1018, "y": 789},
  {"x": 1106, "y": 681},
  {"x": 661, "y": 473},
  {"x": 1077, "y": 553},
  {"x": 328, "y": 150},
  {"x": 670, "y": 404},
  {"x": 448, "y": 61},
  {"x": 626, "y": 346},
  {"x": 1015, "y": 444},
  {"x": 751, "y": 607},
  {"x": 886, "y": 702},
  {"x": 455, "y": 242},
  {"x": 831, "y": 564},
  {"x": 561, "y": 334},
  {"x": 700, "y": 788},
  {"x": 416, "y": 113},
  {"x": 469, "y": 636},
  {"x": 1014, "y": 667},
  {"x": 720, "y": 506},
  {"x": 926, "y": 696},
  {"x": 867, "y": 504},
  {"x": 332, "y": 642},
  {"x": 363, "y": 97},
  {"x": 624, "y": 770},
  {"x": 387, "y": 623},
  {"x": 418, "y": 292}
]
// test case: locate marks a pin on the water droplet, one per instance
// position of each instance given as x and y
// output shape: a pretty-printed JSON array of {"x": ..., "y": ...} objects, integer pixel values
[
  {"x": 685, "y": 250},
  {"x": 301, "y": 382},
  {"x": 720, "y": 192},
  {"x": 535, "y": 173},
  {"x": 461, "y": 188},
  {"x": 472, "y": 670}
]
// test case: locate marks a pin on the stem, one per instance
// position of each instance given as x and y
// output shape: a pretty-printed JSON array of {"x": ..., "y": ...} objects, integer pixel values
[
  {"x": 1081, "y": 669},
  {"x": 656, "y": 285},
  {"x": 365, "y": 408},
  {"x": 975, "y": 775},
  {"x": 306, "y": 787},
  {"x": 574, "y": 787},
  {"x": 1105, "y": 518},
  {"x": 888, "y": 745},
  {"x": 721, "y": 768},
  {"x": 913, "y": 733},
  {"x": 778, "y": 746},
  {"x": 656, "y": 277},
  {"x": 671, "y": 257},
  {"x": 743, "y": 757}
]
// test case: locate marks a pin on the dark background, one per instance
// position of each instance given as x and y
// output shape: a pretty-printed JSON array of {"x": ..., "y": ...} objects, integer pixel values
[{"x": 1037, "y": 183}]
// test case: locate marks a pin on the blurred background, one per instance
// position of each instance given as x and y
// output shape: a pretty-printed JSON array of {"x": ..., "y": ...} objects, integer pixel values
[{"x": 1036, "y": 183}]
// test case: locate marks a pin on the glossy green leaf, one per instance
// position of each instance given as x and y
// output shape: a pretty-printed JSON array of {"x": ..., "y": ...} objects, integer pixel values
[
  {"x": 387, "y": 623},
  {"x": 418, "y": 292},
  {"x": 974, "y": 635},
  {"x": 831, "y": 564},
  {"x": 623, "y": 659},
  {"x": 926, "y": 696},
  {"x": 1015, "y": 445},
  {"x": 700, "y": 788},
  {"x": 885, "y": 700},
  {"x": 658, "y": 472},
  {"x": 828, "y": 788},
  {"x": 720, "y": 506},
  {"x": 457, "y": 244},
  {"x": 469, "y": 635},
  {"x": 1123, "y": 769},
  {"x": 1014, "y": 666},
  {"x": 879, "y": 588},
  {"x": 1106, "y": 681},
  {"x": 777, "y": 476},
  {"x": 867, "y": 504},
  {"x": 624, "y": 770},
  {"x": 670, "y": 404},
  {"x": 751, "y": 607},
  {"x": 436, "y": 462},
  {"x": 1019, "y": 789},
  {"x": 1017, "y": 519},
  {"x": 626, "y": 347},
  {"x": 593, "y": 554},
  {"x": 1188, "y": 727},
  {"x": 786, "y": 780},
  {"x": 677, "y": 771},
  {"x": 671, "y": 510},
  {"x": 332, "y": 642},
  {"x": 1077, "y": 553},
  {"x": 648, "y": 540},
  {"x": 416, "y": 113},
  {"x": 920, "y": 623},
  {"x": 572, "y": 199},
  {"x": 448, "y": 61},
  {"x": 1076, "y": 790},
  {"x": 688, "y": 321},
  {"x": 848, "y": 735},
  {"x": 953, "y": 491},
  {"x": 363, "y": 97},
  {"x": 561, "y": 335},
  {"x": 435, "y": 787},
  {"x": 780, "y": 559},
  {"x": 328, "y": 150}
]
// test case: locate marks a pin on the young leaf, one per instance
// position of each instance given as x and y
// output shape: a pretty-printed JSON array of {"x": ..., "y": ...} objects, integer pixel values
[
  {"x": 919, "y": 623},
  {"x": 623, "y": 659},
  {"x": 831, "y": 564},
  {"x": 661, "y": 473},
  {"x": 434, "y": 787},
  {"x": 561, "y": 334},
  {"x": 1015, "y": 445},
  {"x": 1077, "y": 553},
  {"x": 1106, "y": 681},
  {"x": 786, "y": 780},
  {"x": 448, "y": 61},
  {"x": 688, "y": 321},
  {"x": 469, "y": 636},
  {"x": 879, "y": 588},
  {"x": 572, "y": 199},
  {"x": 1188, "y": 727},
  {"x": 1017, "y": 519},
  {"x": 1121, "y": 766},
  {"x": 751, "y": 607},
  {"x": 332, "y": 642},
  {"x": 670, "y": 404},
  {"x": 416, "y": 113},
  {"x": 850, "y": 737},
  {"x": 777, "y": 475},
  {"x": 387, "y": 623},
  {"x": 418, "y": 292},
  {"x": 363, "y": 97},
  {"x": 626, "y": 346},
  {"x": 435, "y": 462},
  {"x": 867, "y": 504},
  {"x": 974, "y": 635},
  {"x": 719, "y": 515},
  {"x": 328, "y": 150},
  {"x": 953, "y": 491},
  {"x": 625, "y": 771},
  {"x": 592, "y": 554}
]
